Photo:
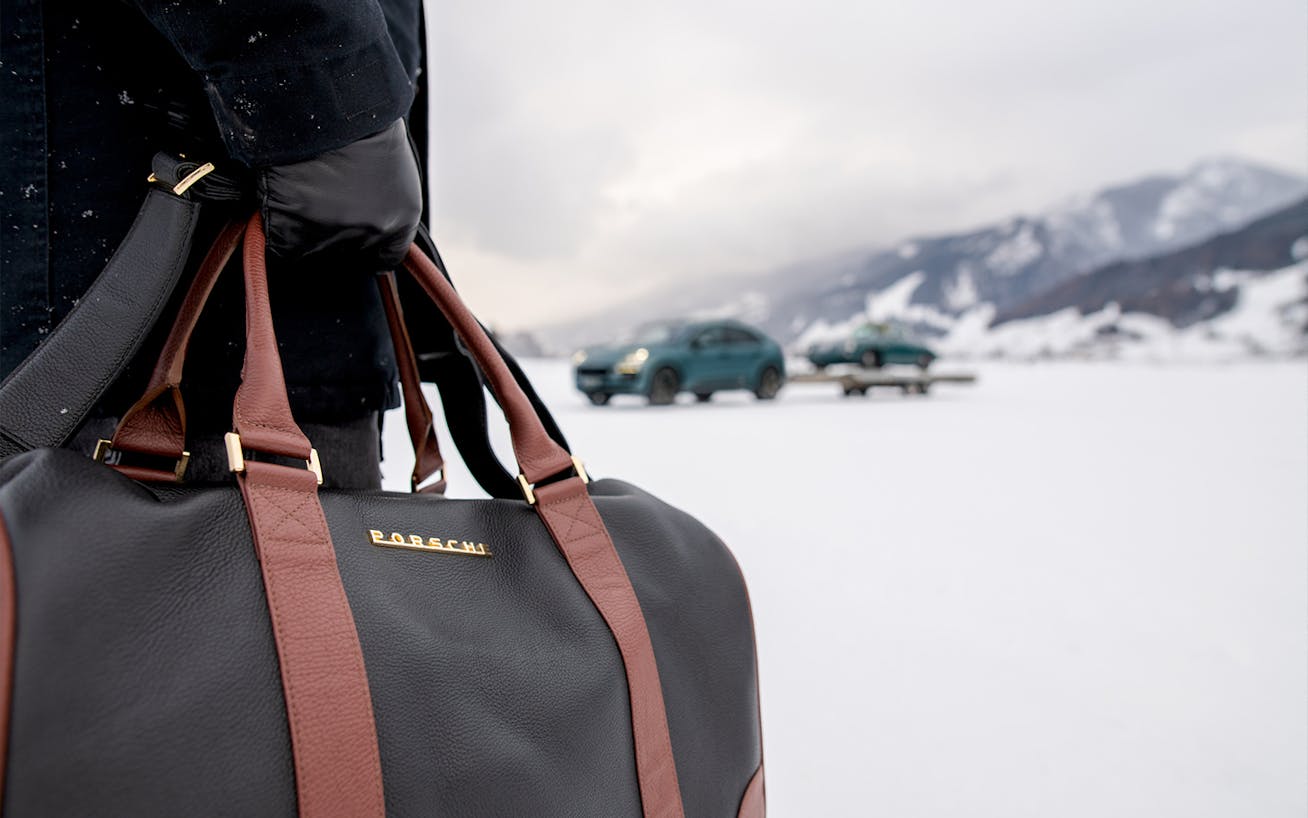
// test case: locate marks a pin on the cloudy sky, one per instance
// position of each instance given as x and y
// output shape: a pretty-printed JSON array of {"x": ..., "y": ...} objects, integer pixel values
[{"x": 589, "y": 151}]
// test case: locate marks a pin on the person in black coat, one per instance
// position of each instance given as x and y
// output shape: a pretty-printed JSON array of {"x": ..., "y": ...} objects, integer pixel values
[{"x": 311, "y": 101}]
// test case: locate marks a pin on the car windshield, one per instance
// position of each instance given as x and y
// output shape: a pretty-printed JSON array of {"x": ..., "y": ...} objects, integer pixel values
[
  {"x": 877, "y": 331},
  {"x": 659, "y": 333}
]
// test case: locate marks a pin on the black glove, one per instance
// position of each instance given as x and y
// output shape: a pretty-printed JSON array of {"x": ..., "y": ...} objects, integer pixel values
[{"x": 355, "y": 207}]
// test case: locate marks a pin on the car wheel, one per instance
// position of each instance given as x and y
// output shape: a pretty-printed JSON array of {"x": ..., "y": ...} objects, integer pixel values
[
  {"x": 703, "y": 397},
  {"x": 769, "y": 384},
  {"x": 664, "y": 386},
  {"x": 871, "y": 359},
  {"x": 599, "y": 398},
  {"x": 924, "y": 361}
]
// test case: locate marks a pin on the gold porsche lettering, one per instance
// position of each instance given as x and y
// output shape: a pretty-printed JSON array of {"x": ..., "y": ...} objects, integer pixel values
[{"x": 416, "y": 542}]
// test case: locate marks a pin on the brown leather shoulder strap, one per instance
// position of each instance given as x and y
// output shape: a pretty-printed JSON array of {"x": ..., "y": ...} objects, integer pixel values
[
  {"x": 261, "y": 412},
  {"x": 575, "y": 525}
]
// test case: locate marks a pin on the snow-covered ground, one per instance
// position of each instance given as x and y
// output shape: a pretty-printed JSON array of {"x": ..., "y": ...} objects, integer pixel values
[{"x": 1070, "y": 590}]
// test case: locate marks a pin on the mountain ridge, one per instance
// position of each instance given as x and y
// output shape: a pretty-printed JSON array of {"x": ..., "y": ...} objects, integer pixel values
[{"x": 1006, "y": 264}]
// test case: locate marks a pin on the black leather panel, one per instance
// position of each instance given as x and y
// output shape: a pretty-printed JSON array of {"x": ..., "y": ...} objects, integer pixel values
[{"x": 146, "y": 680}]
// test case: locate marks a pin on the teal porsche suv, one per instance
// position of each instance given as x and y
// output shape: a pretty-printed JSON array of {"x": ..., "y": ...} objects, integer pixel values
[{"x": 664, "y": 359}]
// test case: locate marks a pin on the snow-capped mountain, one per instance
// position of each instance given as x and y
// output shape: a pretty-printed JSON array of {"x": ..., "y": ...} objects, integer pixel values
[
  {"x": 1242, "y": 293},
  {"x": 1184, "y": 286},
  {"x": 935, "y": 282},
  {"x": 1007, "y": 264}
]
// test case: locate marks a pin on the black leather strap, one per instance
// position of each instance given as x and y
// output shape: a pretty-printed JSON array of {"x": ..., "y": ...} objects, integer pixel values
[{"x": 46, "y": 398}]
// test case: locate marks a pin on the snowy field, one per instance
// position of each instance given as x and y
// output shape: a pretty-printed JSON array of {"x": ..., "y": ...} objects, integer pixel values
[{"x": 1070, "y": 590}]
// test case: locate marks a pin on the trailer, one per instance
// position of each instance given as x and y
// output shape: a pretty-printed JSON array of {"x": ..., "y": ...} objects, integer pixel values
[{"x": 858, "y": 382}]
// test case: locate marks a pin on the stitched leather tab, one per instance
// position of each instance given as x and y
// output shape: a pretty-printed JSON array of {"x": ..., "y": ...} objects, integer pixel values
[
  {"x": 333, "y": 734},
  {"x": 575, "y": 525}
]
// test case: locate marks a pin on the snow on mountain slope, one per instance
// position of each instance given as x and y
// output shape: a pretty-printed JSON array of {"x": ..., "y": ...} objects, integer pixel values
[
  {"x": 1240, "y": 293},
  {"x": 1269, "y": 317},
  {"x": 1009, "y": 264},
  {"x": 1215, "y": 194},
  {"x": 1005, "y": 265}
]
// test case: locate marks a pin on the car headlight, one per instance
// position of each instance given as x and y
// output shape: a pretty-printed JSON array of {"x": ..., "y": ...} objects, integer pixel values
[
  {"x": 632, "y": 362},
  {"x": 579, "y": 357}
]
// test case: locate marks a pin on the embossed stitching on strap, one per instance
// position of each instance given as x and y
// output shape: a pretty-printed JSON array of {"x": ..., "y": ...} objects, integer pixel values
[{"x": 333, "y": 732}]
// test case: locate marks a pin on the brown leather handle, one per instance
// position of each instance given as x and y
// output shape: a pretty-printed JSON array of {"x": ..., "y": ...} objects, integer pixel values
[
  {"x": 333, "y": 740},
  {"x": 262, "y": 418},
  {"x": 261, "y": 412},
  {"x": 575, "y": 525},
  {"x": 328, "y": 704},
  {"x": 333, "y": 737},
  {"x": 417, "y": 413},
  {"x": 156, "y": 424},
  {"x": 537, "y": 454}
]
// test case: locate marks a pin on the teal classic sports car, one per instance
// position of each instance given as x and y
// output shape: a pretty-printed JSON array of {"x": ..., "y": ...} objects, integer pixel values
[
  {"x": 872, "y": 346},
  {"x": 664, "y": 359}
]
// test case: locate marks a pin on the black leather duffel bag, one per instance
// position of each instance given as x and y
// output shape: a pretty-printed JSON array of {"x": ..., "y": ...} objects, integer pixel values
[{"x": 267, "y": 648}]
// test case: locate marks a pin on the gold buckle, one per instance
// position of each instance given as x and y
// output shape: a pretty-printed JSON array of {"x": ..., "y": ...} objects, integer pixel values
[
  {"x": 236, "y": 456},
  {"x": 189, "y": 180},
  {"x": 526, "y": 487},
  {"x": 415, "y": 486},
  {"x": 103, "y": 447}
]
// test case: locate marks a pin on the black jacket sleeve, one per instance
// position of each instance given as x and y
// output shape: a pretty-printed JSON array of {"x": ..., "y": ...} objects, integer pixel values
[{"x": 289, "y": 79}]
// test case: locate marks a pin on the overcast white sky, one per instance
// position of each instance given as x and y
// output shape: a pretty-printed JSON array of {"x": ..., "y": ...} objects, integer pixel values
[{"x": 586, "y": 151}]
